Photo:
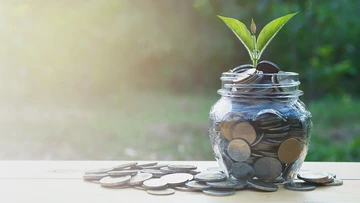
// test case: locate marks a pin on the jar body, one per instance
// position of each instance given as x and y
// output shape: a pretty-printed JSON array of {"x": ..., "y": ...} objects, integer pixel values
[{"x": 263, "y": 138}]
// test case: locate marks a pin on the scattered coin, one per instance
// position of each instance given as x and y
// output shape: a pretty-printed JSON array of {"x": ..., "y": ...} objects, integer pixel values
[
  {"x": 267, "y": 168},
  {"x": 241, "y": 184},
  {"x": 196, "y": 185},
  {"x": 182, "y": 167},
  {"x": 154, "y": 184},
  {"x": 177, "y": 178},
  {"x": 156, "y": 173},
  {"x": 299, "y": 186},
  {"x": 335, "y": 182},
  {"x": 217, "y": 192},
  {"x": 239, "y": 150},
  {"x": 316, "y": 177},
  {"x": 242, "y": 170},
  {"x": 225, "y": 184},
  {"x": 139, "y": 187},
  {"x": 157, "y": 166},
  {"x": 126, "y": 165},
  {"x": 243, "y": 130},
  {"x": 139, "y": 178},
  {"x": 289, "y": 150},
  {"x": 98, "y": 171},
  {"x": 96, "y": 181},
  {"x": 210, "y": 177},
  {"x": 122, "y": 173},
  {"x": 114, "y": 181},
  {"x": 263, "y": 186},
  {"x": 215, "y": 169},
  {"x": 183, "y": 188},
  {"x": 96, "y": 176},
  {"x": 167, "y": 191},
  {"x": 140, "y": 165}
]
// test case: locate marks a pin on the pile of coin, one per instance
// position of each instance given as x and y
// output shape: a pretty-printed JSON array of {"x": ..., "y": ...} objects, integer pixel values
[{"x": 164, "y": 179}]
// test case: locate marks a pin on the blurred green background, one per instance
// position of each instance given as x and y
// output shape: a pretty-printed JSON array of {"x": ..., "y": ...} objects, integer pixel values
[{"x": 135, "y": 79}]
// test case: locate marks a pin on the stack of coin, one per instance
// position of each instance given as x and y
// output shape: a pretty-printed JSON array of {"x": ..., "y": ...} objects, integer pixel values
[{"x": 212, "y": 181}]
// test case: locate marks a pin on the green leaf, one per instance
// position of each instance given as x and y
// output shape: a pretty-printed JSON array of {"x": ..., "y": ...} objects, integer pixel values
[
  {"x": 269, "y": 32},
  {"x": 240, "y": 30}
]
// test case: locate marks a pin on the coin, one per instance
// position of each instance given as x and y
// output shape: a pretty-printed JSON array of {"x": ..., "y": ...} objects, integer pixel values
[
  {"x": 182, "y": 167},
  {"x": 139, "y": 187},
  {"x": 227, "y": 161},
  {"x": 217, "y": 192},
  {"x": 239, "y": 150},
  {"x": 210, "y": 176},
  {"x": 154, "y": 184},
  {"x": 242, "y": 170},
  {"x": 139, "y": 166},
  {"x": 157, "y": 166},
  {"x": 335, "y": 182},
  {"x": 126, "y": 165},
  {"x": 225, "y": 184},
  {"x": 96, "y": 181},
  {"x": 122, "y": 173},
  {"x": 263, "y": 186},
  {"x": 155, "y": 172},
  {"x": 267, "y": 168},
  {"x": 285, "y": 81},
  {"x": 177, "y": 178},
  {"x": 114, "y": 181},
  {"x": 267, "y": 67},
  {"x": 260, "y": 137},
  {"x": 96, "y": 176},
  {"x": 196, "y": 185},
  {"x": 245, "y": 76},
  {"x": 183, "y": 188},
  {"x": 98, "y": 171},
  {"x": 228, "y": 120},
  {"x": 243, "y": 130},
  {"x": 315, "y": 177},
  {"x": 299, "y": 186},
  {"x": 215, "y": 169},
  {"x": 242, "y": 68},
  {"x": 139, "y": 178},
  {"x": 289, "y": 150},
  {"x": 167, "y": 191},
  {"x": 241, "y": 184}
]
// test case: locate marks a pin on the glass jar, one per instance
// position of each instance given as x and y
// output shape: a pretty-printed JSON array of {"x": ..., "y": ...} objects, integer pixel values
[{"x": 260, "y": 129}]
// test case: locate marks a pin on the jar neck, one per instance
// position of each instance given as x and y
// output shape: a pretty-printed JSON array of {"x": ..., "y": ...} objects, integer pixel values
[{"x": 282, "y": 86}]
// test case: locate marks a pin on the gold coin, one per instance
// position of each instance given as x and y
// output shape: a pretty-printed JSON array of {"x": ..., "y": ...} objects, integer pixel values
[
  {"x": 243, "y": 130},
  {"x": 289, "y": 150},
  {"x": 228, "y": 121},
  {"x": 239, "y": 150}
]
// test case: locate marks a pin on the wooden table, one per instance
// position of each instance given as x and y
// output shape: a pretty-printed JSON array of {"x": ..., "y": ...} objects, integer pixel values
[{"x": 61, "y": 181}]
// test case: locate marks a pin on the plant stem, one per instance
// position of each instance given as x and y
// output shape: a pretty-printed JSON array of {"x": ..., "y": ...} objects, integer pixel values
[{"x": 254, "y": 56}]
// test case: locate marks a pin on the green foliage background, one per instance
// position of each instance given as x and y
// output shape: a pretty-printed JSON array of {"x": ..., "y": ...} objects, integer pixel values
[{"x": 89, "y": 52}]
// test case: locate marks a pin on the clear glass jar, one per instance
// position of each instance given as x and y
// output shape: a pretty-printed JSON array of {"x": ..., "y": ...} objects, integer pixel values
[{"x": 260, "y": 129}]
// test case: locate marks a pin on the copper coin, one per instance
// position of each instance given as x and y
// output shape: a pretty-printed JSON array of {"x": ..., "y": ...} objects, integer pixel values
[
  {"x": 239, "y": 150},
  {"x": 267, "y": 168},
  {"x": 243, "y": 130},
  {"x": 242, "y": 170},
  {"x": 289, "y": 150},
  {"x": 228, "y": 121}
]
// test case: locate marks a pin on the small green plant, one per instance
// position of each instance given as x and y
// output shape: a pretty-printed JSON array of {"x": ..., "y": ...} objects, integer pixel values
[{"x": 256, "y": 46}]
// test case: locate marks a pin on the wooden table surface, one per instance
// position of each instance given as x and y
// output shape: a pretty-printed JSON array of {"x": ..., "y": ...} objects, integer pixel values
[{"x": 61, "y": 181}]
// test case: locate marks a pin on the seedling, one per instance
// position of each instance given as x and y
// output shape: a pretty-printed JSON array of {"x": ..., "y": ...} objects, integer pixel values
[{"x": 256, "y": 46}]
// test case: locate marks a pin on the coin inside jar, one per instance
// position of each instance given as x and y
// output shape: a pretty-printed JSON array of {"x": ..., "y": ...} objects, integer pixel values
[
  {"x": 239, "y": 150},
  {"x": 289, "y": 150},
  {"x": 242, "y": 170},
  {"x": 267, "y": 168},
  {"x": 243, "y": 130},
  {"x": 227, "y": 122}
]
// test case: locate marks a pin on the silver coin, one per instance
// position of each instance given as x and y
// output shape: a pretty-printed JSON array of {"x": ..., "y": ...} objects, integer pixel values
[
  {"x": 215, "y": 169},
  {"x": 155, "y": 172},
  {"x": 299, "y": 186},
  {"x": 167, "y": 170},
  {"x": 123, "y": 173},
  {"x": 196, "y": 185},
  {"x": 98, "y": 171},
  {"x": 183, "y": 188},
  {"x": 316, "y": 177},
  {"x": 177, "y": 178},
  {"x": 96, "y": 176},
  {"x": 157, "y": 166},
  {"x": 154, "y": 184},
  {"x": 96, "y": 181},
  {"x": 140, "y": 165},
  {"x": 167, "y": 191},
  {"x": 335, "y": 182},
  {"x": 263, "y": 186},
  {"x": 241, "y": 184},
  {"x": 208, "y": 176},
  {"x": 139, "y": 187},
  {"x": 139, "y": 178},
  {"x": 182, "y": 167},
  {"x": 126, "y": 165},
  {"x": 223, "y": 192},
  {"x": 225, "y": 184},
  {"x": 267, "y": 168},
  {"x": 114, "y": 181},
  {"x": 242, "y": 68},
  {"x": 239, "y": 150},
  {"x": 242, "y": 170}
]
